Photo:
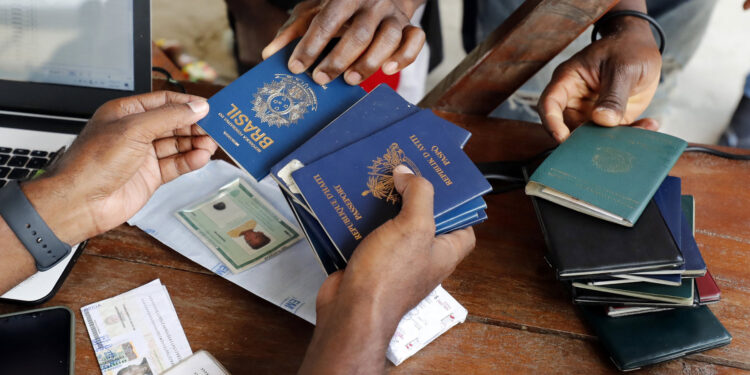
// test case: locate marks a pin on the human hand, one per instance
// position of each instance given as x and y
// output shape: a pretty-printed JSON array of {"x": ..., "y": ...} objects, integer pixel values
[
  {"x": 374, "y": 34},
  {"x": 746, "y": 5},
  {"x": 610, "y": 82},
  {"x": 391, "y": 271},
  {"x": 126, "y": 151}
]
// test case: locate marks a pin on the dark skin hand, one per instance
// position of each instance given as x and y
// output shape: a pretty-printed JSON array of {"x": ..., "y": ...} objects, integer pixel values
[
  {"x": 374, "y": 34},
  {"x": 126, "y": 151},
  {"x": 391, "y": 271},
  {"x": 610, "y": 82}
]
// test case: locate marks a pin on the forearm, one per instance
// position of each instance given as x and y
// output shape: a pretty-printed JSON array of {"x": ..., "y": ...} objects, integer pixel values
[
  {"x": 64, "y": 216},
  {"x": 354, "y": 342},
  {"x": 16, "y": 264},
  {"x": 630, "y": 25}
]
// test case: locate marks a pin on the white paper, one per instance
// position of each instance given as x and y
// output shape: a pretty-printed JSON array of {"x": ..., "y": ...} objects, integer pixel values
[
  {"x": 136, "y": 332},
  {"x": 437, "y": 313},
  {"x": 290, "y": 280}
]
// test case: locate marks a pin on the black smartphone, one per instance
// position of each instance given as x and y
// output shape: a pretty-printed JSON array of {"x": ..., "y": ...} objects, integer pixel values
[{"x": 38, "y": 342}]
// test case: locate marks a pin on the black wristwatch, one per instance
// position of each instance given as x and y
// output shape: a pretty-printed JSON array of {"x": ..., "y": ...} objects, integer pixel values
[{"x": 31, "y": 230}]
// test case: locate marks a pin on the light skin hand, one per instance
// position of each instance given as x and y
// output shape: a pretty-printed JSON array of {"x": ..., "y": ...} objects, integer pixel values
[
  {"x": 605, "y": 82},
  {"x": 391, "y": 271},
  {"x": 374, "y": 34},
  {"x": 126, "y": 151}
]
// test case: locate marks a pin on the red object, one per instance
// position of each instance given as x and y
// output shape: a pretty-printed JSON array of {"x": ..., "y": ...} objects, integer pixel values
[
  {"x": 379, "y": 77},
  {"x": 708, "y": 291}
]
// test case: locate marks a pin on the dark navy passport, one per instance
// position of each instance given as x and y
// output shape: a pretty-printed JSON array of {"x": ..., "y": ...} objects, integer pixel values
[
  {"x": 268, "y": 112},
  {"x": 351, "y": 190},
  {"x": 374, "y": 112},
  {"x": 669, "y": 200},
  {"x": 323, "y": 249}
]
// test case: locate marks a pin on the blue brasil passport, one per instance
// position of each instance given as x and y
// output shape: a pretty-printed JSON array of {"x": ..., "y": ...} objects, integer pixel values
[
  {"x": 268, "y": 112},
  {"x": 351, "y": 191}
]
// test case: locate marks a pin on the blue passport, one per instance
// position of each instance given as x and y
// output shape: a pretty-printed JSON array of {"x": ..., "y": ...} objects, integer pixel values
[
  {"x": 695, "y": 266},
  {"x": 351, "y": 190},
  {"x": 472, "y": 206},
  {"x": 375, "y": 111},
  {"x": 480, "y": 217},
  {"x": 328, "y": 257},
  {"x": 268, "y": 112},
  {"x": 669, "y": 200}
]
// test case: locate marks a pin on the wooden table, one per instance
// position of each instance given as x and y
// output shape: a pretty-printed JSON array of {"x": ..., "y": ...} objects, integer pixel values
[{"x": 521, "y": 320}]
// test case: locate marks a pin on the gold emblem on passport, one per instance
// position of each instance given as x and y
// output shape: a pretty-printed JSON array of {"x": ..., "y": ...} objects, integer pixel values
[
  {"x": 612, "y": 160},
  {"x": 284, "y": 101},
  {"x": 380, "y": 180}
]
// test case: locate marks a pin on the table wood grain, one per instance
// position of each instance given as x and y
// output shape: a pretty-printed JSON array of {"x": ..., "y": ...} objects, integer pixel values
[{"x": 521, "y": 320}]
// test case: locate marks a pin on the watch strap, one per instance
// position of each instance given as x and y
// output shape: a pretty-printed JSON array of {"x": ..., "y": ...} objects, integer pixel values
[{"x": 30, "y": 228}]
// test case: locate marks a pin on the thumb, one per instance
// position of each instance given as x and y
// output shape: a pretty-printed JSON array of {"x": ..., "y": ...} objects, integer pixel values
[
  {"x": 416, "y": 193},
  {"x": 614, "y": 91},
  {"x": 167, "y": 118}
]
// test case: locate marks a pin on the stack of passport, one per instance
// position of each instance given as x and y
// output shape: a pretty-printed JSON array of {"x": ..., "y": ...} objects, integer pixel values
[
  {"x": 340, "y": 184},
  {"x": 620, "y": 235},
  {"x": 332, "y": 150}
]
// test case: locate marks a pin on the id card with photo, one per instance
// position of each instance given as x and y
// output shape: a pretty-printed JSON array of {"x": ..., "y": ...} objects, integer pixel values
[{"x": 239, "y": 226}]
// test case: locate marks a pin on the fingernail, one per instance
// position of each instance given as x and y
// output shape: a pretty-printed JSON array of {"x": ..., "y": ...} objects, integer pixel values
[
  {"x": 296, "y": 67},
  {"x": 390, "y": 68},
  {"x": 609, "y": 115},
  {"x": 321, "y": 78},
  {"x": 402, "y": 169},
  {"x": 199, "y": 106},
  {"x": 353, "y": 78}
]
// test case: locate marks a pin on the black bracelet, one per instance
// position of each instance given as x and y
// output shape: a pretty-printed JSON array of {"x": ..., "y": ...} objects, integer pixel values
[{"x": 633, "y": 13}]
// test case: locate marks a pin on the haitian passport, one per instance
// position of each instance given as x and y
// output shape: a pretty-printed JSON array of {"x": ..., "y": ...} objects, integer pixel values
[
  {"x": 268, "y": 112},
  {"x": 376, "y": 111},
  {"x": 351, "y": 190}
]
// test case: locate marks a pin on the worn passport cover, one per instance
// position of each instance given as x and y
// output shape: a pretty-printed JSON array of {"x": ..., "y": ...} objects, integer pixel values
[
  {"x": 641, "y": 340},
  {"x": 609, "y": 173},
  {"x": 695, "y": 266},
  {"x": 682, "y": 294},
  {"x": 324, "y": 251},
  {"x": 580, "y": 245},
  {"x": 268, "y": 112},
  {"x": 708, "y": 291},
  {"x": 351, "y": 190}
]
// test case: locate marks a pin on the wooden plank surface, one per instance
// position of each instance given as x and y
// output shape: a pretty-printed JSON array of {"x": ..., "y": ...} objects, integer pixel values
[{"x": 535, "y": 33}]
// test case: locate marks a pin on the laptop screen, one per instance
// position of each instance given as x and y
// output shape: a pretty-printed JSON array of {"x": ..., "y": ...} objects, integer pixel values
[
  {"x": 68, "y": 42},
  {"x": 68, "y": 57}
]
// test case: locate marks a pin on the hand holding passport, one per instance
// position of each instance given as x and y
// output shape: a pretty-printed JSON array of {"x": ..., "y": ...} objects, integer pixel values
[
  {"x": 366, "y": 172},
  {"x": 621, "y": 235}
]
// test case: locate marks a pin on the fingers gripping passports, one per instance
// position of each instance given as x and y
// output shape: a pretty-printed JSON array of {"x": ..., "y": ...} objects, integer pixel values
[
  {"x": 351, "y": 191},
  {"x": 268, "y": 112}
]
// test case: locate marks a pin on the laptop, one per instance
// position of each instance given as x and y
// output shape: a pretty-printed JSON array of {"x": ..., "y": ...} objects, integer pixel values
[{"x": 61, "y": 60}]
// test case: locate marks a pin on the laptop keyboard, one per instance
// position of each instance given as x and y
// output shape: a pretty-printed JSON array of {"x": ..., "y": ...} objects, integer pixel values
[{"x": 21, "y": 163}]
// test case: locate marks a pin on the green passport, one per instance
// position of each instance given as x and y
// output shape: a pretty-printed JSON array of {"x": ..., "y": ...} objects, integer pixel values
[
  {"x": 609, "y": 173},
  {"x": 640, "y": 340}
]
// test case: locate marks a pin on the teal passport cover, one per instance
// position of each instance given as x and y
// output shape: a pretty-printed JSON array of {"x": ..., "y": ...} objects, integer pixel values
[
  {"x": 268, "y": 112},
  {"x": 351, "y": 191},
  {"x": 615, "y": 169},
  {"x": 640, "y": 340}
]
